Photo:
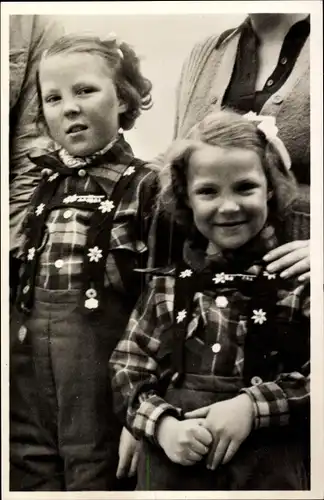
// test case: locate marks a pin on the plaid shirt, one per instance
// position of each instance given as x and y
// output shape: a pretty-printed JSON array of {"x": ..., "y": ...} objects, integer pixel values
[
  {"x": 136, "y": 371},
  {"x": 62, "y": 250}
]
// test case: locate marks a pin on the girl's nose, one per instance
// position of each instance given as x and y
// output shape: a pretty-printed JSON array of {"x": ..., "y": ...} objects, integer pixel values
[
  {"x": 228, "y": 205},
  {"x": 71, "y": 107}
]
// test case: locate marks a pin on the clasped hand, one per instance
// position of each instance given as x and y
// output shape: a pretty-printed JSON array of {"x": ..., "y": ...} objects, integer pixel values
[{"x": 216, "y": 430}]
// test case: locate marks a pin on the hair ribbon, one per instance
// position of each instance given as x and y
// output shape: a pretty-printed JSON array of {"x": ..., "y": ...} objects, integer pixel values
[{"x": 267, "y": 125}]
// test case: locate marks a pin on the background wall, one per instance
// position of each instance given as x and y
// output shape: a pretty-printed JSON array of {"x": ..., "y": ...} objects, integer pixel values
[{"x": 162, "y": 42}]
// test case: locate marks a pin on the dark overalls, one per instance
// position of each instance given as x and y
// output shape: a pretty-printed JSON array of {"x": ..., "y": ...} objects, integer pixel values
[
  {"x": 270, "y": 458},
  {"x": 63, "y": 433}
]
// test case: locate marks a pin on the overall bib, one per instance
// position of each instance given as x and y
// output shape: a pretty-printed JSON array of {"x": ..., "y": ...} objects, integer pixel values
[{"x": 270, "y": 458}]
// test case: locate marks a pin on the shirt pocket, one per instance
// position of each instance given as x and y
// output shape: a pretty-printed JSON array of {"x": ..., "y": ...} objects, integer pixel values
[{"x": 18, "y": 63}]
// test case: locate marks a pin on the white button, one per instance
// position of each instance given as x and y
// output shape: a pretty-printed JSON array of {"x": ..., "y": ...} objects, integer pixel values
[
  {"x": 82, "y": 172},
  {"x": 26, "y": 289},
  {"x": 269, "y": 82},
  {"x": 216, "y": 348},
  {"x": 277, "y": 99},
  {"x": 284, "y": 60},
  {"x": 59, "y": 263},
  {"x": 256, "y": 380},
  {"x": 91, "y": 293},
  {"x": 22, "y": 333},
  {"x": 67, "y": 214},
  {"x": 221, "y": 302}
]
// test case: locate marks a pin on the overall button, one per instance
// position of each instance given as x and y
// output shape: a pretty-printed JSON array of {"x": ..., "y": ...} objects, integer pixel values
[
  {"x": 221, "y": 302},
  {"x": 22, "y": 333},
  {"x": 26, "y": 289},
  {"x": 283, "y": 60},
  {"x": 82, "y": 172},
  {"x": 269, "y": 82},
  {"x": 67, "y": 214},
  {"x": 256, "y": 380},
  {"x": 59, "y": 263},
  {"x": 216, "y": 347}
]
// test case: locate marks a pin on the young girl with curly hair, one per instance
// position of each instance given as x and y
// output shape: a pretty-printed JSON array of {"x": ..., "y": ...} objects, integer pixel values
[
  {"x": 213, "y": 370},
  {"x": 87, "y": 229}
]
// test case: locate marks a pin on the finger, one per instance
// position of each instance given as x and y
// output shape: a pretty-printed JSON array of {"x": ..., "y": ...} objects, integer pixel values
[
  {"x": 121, "y": 470},
  {"x": 304, "y": 277},
  {"x": 231, "y": 450},
  {"x": 193, "y": 456},
  {"x": 279, "y": 252},
  {"x": 133, "y": 466},
  {"x": 203, "y": 435},
  {"x": 200, "y": 448},
  {"x": 297, "y": 269},
  {"x": 199, "y": 413},
  {"x": 288, "y": 260},
  {"x": 214, "y": 460}
]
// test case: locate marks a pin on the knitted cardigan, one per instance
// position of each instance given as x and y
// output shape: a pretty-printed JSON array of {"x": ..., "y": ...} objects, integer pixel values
[{"x": 206, "y": 74}]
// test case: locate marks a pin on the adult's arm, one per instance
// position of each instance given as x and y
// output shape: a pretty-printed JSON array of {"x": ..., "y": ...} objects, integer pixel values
[{"x": 29, "y": 37}]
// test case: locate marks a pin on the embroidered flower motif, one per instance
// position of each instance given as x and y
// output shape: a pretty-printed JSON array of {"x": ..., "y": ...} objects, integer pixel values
[
  {"x": 270, "y": 276},
  {"x": 95, "y": 254},
  {"x": 106, "y": 206},
  {"x": 259, "y": 316},
  {"x": 186, "y": 273},
  {"x": 53, "y": 177},
  {"x": 222, "y": 277},
  {"x": 181, "y": 315},
  {"x": 39, "y": 209},
  {"x": 31, "y": 253},
  {"x": 129, "y": 171},
  {"x": 71, "y": 199}
]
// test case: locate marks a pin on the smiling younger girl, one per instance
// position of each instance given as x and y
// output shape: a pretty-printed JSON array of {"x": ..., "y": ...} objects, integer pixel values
[
  {"x": 213, "y": 370},
  {"x": 87, "y": 229}
]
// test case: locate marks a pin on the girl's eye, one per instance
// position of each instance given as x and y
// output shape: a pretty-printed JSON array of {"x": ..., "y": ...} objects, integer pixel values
[
  {"x": 85, "y": 90},
  {"x": 246, "y": 187},
  {"x": 206, "y": 191},
  {"x": 52, "y": 98}
]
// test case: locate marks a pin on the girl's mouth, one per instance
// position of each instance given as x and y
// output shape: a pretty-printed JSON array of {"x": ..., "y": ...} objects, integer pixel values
[{"x": 74, "y": 129}]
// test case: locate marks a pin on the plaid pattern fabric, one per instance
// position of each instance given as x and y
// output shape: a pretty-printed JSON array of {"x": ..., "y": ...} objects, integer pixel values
[
  {"x": 62, "y": 250},
  {"x": 136, "y": 370}
]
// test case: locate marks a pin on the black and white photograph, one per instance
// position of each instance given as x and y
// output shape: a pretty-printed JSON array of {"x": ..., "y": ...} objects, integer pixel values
[{"x": 162, "y": 250}]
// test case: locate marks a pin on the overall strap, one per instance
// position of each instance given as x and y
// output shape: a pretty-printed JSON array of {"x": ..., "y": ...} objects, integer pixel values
[
  {"x": 98, "y": 239},
  {"x": 35, "y": 227}
]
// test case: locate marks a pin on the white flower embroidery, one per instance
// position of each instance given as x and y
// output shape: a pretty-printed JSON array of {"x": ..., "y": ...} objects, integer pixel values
[
  {"x": 222, "y": 277},
  {"x": 186, "y": 273},
  {"x": 106, "y": 206},
  {"x": 181, "y": 315},
  {"x": 53, "y": 177},
  {"x": 39, "y": 209},
  {"x": 31, "y": 253},
  {"x": 129, "y": 171},
  {"x": 95, "y": 254},
  {"x": 259, "y": 316},
  {"x": 270, "y": 276},
  {"x": 71, "y": 199}
]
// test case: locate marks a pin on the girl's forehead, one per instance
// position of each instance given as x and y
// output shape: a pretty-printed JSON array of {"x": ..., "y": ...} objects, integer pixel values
[
  {"x": 72, "y": 62},
  {"x": 215, "y": 161}
]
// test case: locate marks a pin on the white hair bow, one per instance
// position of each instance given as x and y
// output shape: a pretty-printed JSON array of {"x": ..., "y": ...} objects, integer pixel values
[{"x": 267, "y": 125}]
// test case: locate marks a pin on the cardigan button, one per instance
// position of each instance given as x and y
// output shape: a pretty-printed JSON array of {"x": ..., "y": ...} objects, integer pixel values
[
  {"x": 277, "y": 99},
  {"x": 67, "y": 214},
  {"x": 91, "y": 303},
  {"x": 26, "y": 289},
  {"x": 59, "y": 263},
  {"x": 256, "y": 380},
  {"x": 175, "y": 377},
  {"x": 22, "y": 333},
  {"x": 91, "y": 293},
  {"x": 82, "y": 172}
]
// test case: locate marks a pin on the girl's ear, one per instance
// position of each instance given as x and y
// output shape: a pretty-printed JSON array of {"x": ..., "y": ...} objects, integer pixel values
[{"x": 122, "y": 107}]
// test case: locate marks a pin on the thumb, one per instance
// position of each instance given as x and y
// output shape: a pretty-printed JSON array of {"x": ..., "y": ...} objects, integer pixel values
[{"x": 199, "y": 413}]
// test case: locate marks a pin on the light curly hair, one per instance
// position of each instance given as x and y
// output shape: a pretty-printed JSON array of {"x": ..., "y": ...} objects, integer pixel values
[{"x": 225, "y": 129}]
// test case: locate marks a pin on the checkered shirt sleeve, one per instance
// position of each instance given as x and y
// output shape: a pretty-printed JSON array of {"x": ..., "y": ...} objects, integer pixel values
[
  {"x": 135, "y": 370},
  {"x": 276, "y": 401}
]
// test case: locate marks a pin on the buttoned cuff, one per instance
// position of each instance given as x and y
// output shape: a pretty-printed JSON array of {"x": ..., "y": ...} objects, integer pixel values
[{"x": 270, "y": 405}]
